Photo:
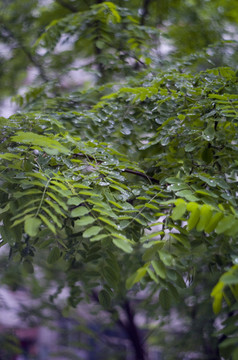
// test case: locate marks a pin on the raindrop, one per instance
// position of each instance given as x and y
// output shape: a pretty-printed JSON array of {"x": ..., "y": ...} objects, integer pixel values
[
  {"x": 159, "y": 121},
  {"x": 126, "y": 131},
  {"x": 235, "y": 260},
  {"x": 103, "y": 183},
  {"x": 165, "y": 141},
  {"x": 208, "y": 137}
]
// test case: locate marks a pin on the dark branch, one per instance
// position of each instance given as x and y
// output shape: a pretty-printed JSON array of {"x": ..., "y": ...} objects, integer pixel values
[
  {"x": 129, "y": 327},
  {"x": 129, "y": 171},
  {"x": 145, "y": 176},
  {"x": 133, "y": 333}
]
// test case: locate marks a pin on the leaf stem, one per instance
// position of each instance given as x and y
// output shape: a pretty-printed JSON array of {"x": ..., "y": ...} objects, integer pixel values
[{"x": 42, "y": 198}]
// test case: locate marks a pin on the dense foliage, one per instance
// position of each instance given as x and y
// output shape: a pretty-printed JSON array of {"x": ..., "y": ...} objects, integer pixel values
[{"x": 128, "y": 187}]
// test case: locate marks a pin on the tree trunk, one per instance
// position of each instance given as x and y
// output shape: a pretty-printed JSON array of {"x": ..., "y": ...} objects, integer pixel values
[{"x": 134, "y": 334}]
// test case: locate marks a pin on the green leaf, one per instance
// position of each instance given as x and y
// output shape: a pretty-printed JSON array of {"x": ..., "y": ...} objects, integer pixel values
[
  {"x": 151, "y": 235},
  {"x": 104, "y": 299},
  {"x": 119, "y": 206},
  {"x": 233, "y": 229},
  {"x": 205, "y": 216},
  {"x": 40, "y": 140},
  {"x": 217, "y": 294},
  {"x": 79, "y": 211},
  {"x": 213, "y": 222},
  {"x": 65, "y": 193},
  {"x": 187, "y": 194},
  {"x": 59, "y": 184},
  {"x": 217, "y": 303},
  {"x": 52, "y": 216},
  {"x": 89, "y": 193},
  {"x": 207, "y": 154},
  {"x": 5, "y": 209},
  {"x": 19, "y": 194},
  {"x": 54, "y": 255},
  {"x": 228, "y": 342},
  {"x": 173, "y": 292},
  {"x": 32, "y": 225},
  {"x": 17, "y": 222},
  {"x": 182, "y": 239},
  {"x": 179, "y": 210},
  {"x": 194, "y": 216},
  {"x": 164, "y": 299},
  {"x": 152, "y": 275},
  {"x": 159, "y": 268},
  {"x": 45, "y": 244},
  {"x": 165, "y": 257},
  {"x": 225, "y": 224},
  {"x": 210, "y": 181},
  {"x": 27, "y": 211},
  {"x": 151, "y": 206},
  {"x": 173, "y": 180},
  {"x": 37, "y": 175},
  {"x": 123, "y": 245},
  {"x": 209, "y": 133},
  {"x": 28, "y": 267},
  {"x": 58, "y": 200},
  {"x": 109, "y": 222},
  {"x": 152, "y": 251},
  {"x": 119, "y": 184},
  {"x": 55, "y": 207},
  {"x": 75, "y": 201},
  {"x": 120, "y": 236},
  {"x": 99, "y": 237},
  {"x": 94, "y": 230},
  {"x": 178, "y": 186},
  {"x": 86, "y": 220},
  {"x": 81, "y": 186},
  {"x": 235, "y": 352},
  {"x": 206, "y": 193},
  {"x": 9, "y": 156},
  {"x": 48, "y": 223},
  {"x": 136, "y": 277},
  {"x": 111, "y": 276}
]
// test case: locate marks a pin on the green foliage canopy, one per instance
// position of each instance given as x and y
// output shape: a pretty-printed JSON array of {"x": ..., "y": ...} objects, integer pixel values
[{"x": 87, "y": 176}]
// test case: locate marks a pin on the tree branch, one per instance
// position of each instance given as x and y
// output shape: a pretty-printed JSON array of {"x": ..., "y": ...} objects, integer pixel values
[
  {"x": 129, "y": 327},
  {"x": 129, "y": 171},
  {"x": 133, "y": 333}
]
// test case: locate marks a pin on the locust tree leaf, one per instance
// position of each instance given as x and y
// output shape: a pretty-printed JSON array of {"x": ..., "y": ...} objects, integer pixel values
[{"x": 32, "y": 225}]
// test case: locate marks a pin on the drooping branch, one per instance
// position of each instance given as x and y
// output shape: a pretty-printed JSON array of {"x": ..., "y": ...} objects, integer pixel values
[
  {"x": 129, "y": 171},
  {"x": 145, "y": 176}
]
